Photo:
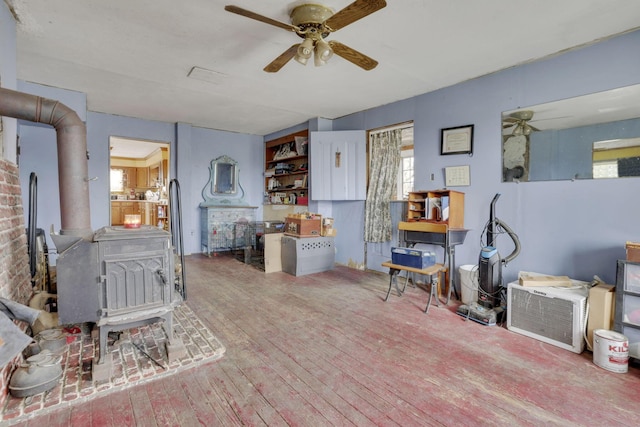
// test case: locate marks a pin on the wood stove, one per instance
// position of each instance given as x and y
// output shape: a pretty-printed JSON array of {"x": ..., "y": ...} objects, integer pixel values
[
  {"x": 116, "y": 278},
  {"x": 121, "y": 279}
]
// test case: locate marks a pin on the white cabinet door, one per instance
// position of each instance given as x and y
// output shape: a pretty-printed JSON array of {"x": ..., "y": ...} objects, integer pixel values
[{"x": 338, "y": 165}]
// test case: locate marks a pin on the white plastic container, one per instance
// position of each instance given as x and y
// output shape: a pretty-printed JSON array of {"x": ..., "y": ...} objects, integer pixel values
[
  {"x": 468, "y": 283},
  {"x": 610, "y": 350}
]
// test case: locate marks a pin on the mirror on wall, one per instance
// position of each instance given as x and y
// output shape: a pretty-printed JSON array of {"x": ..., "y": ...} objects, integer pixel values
[
  {"x": 224, "y": 181},
  {"x": 223, "y": 186},
  {"x": 586, "y": 137}
]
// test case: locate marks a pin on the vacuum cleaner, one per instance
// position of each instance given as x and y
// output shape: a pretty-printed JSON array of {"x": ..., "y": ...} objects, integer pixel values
[{"x": 489, "y": 307}]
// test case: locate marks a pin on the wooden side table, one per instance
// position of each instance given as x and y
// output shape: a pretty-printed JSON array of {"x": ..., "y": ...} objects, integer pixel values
[{"x": 434, "y": 272}]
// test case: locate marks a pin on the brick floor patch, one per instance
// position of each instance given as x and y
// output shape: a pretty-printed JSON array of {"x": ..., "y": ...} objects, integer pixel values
[{"x": 130, "y": 365}]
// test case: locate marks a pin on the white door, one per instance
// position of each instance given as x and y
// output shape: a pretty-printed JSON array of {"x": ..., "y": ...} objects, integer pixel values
[{"x": 338, "y": 165}]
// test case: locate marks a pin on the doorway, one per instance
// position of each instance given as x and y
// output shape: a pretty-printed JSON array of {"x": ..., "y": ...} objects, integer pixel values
[{"x": 139, "y": 181}]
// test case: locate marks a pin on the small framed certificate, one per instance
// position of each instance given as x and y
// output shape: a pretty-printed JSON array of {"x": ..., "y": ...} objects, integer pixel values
[
  {"x": 456, "y": 176},
  {"x": 458, "y": 140}
]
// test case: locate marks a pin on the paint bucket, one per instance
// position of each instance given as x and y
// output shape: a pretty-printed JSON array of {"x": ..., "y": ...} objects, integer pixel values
[
  {"x": 611, "y": 350},
  {"x": 468, "y": 283}
]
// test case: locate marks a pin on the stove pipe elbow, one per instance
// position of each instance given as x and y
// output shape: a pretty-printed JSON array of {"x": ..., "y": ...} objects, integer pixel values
[{"x": 71, "y": 136}]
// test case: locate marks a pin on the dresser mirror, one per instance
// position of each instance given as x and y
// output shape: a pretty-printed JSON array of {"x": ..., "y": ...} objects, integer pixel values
[
  {"x": 224, "y": 181},
  {"x": 223, "y": 186},
  {"x": 587, "y": 137}
]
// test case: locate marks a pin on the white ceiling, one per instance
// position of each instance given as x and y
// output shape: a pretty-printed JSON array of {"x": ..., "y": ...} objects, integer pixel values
[
  {"x": 132, "y": 58},
  {"x": 133, "y": 148}
]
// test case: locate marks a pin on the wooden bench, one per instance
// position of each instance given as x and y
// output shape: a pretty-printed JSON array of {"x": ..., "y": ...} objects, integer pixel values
[{"x": 434, "y": 272}]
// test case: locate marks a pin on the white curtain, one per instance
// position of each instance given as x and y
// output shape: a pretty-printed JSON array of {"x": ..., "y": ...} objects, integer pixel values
[{"x": 383, "y": 172}]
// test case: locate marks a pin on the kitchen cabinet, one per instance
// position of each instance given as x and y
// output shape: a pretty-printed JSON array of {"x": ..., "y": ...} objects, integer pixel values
[
  {"x": 132, "y": 177},
  {"x": 121, "y": 208},
  {"x": 155, "y": 174},
  {"x": 149, "y": 212},
  {"x": 142, "y": 175},
  {"x": 338, "y": 164},
  {"x": 116, "y": 214},
  {"x": 287, "y": 169}
]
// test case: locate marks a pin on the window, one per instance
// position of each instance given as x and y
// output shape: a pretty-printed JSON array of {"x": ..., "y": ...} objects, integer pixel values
[
  {"x": 405, "y": 178},
  {"x": 406, "y": 172},
  {"x": 116, "y": 180}
]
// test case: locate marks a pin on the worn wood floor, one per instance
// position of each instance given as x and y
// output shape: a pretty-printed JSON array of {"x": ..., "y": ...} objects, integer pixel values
[{"x": 325, "y": 349}]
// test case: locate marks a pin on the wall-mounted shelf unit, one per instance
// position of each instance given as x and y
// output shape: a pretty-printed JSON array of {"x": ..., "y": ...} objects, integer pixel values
[{"x": 286, "y": 172}]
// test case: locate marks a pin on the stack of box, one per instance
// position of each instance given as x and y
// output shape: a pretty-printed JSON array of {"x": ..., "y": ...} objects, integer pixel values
[
  {"x": 303, "y": 225},
  {"x": 327, "y": 227},
  {"x": 306, "y": 246},
  {"x": 601, "y": 309}
]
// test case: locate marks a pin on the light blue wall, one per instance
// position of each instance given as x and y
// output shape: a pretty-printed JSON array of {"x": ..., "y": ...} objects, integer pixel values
[
  {"x": 192, "y": 148},
  {"x": 574, "y": 228},
  {"x": 207, "y": 145},
  {"x": 38, "y": 154}
]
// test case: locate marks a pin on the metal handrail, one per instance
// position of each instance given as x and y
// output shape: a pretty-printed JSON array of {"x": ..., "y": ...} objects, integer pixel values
[{"x": 175, "y": 228}]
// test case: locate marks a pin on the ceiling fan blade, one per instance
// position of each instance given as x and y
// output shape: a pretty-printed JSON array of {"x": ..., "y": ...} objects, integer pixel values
[
  {"x": 257, "y": 17},
  {"x": 510, "y": 120},
  {"x": 281, "y": 60},
  {"x": 533, "y": 128},
  {"x": 356, "y": 10},
  {"x": 353, "y": 56}
]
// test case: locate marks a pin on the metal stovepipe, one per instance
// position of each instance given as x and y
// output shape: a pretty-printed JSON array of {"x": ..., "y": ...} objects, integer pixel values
[{"x": 72, "y": 154}]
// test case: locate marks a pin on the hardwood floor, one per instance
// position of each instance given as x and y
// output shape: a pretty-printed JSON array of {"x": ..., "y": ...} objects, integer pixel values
[{"x": 325, "y": 349}]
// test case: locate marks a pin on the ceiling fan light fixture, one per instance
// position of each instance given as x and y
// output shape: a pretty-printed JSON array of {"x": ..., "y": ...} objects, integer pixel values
[
  {"x": 304, "y": 51},
  {"x": 518, "y": 130},
  {"x": 323, "y": 53},
  {"x": 315, "y": 22}
]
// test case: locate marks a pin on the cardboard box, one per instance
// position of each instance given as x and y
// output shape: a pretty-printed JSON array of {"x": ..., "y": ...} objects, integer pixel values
[
  {"x": 332, "y": 232},
  {"x": 272, "y": 252},
  {"x": 299, "y": 227},
  {"x": 327, "y": 227},
  {"x": 601, "y": 309},
  {"x": 535, "y": 279},
  {"x": 633, "y": 252},
  {"x": 410, "y": 257}
]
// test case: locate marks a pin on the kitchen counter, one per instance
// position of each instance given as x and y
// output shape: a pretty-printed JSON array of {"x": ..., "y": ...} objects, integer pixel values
[
  {"x": 162, "y": 202},
  {"x": 151, "y": 212}
]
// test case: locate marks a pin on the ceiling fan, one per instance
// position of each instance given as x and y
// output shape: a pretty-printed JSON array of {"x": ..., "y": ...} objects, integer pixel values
[
  {"x": 519, "y": 121},
  {"x": 313, "y": 23}
]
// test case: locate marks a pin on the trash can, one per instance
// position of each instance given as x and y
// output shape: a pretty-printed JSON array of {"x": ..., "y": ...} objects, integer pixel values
[{"x": 468, "y": 283}]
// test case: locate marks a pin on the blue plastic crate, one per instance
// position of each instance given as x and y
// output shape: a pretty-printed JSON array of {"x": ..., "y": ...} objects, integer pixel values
[{"x": 411, "y": 257}]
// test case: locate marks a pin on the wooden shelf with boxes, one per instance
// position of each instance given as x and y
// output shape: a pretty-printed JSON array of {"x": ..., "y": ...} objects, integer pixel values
[
  {"x": 286, "y": 169},
  {"x": 163, "y": 216},
  {"x": 436, "y": 206}
]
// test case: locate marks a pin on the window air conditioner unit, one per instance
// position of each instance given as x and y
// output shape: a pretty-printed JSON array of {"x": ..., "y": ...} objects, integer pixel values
[{"x": 550, "y": 314}]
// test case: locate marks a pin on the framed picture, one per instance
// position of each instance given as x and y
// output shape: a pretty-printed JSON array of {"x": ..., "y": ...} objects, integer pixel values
[
  {"x": 458, "y": 140},
  {"x": 456, "y": 176}
]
